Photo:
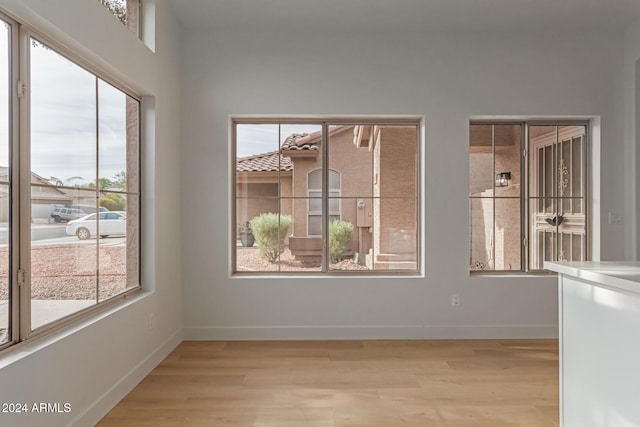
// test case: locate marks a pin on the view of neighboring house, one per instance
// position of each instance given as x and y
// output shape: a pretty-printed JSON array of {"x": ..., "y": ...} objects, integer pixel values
[
  {"x": 371, "y": 184},
  {"x": 44, "y": 197}
]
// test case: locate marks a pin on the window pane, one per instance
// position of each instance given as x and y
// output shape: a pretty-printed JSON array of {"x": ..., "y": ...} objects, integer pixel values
[
  {"x": 577, "y": 160},
  {"x": 315, "y": 180},
  {"x": 302, "y": 146},
  {"x": 394, "y": 234},
  {"x": 481, "y": 232},
  {"x": 119, "y": 240},
  {"x": 315, "y": 225},
  {"x": 301, "y": 137},
  {"x": 5, "y": 309},
  {"x": 63, "y": 119},
  {"x": 543, "y": 231},
  {"x": 334, "y": 206},
  {"x": 508, "y": 241},
  {"x": 351, "y": 240},
  {"x": 315, "y": 204},
  {"x": 5, "y": 220},
  {"x": 5, "y": 105},
  {"x": 481, "y": 171},
  {"x": 302, "y": 251},
  {"x": 395, "y": 156},
  {"x": 63, "y": 256},
  {"x": 250, "y": 254},
  {"x": 334, "y": 180},
  {"x": 507, "y": 160},
  {"x": 252, "y": 140},
  {"x": 247, "y": 209},
  {"x": 351, "y": 160},
  {"x": 543, "y": 162},
  {"x": 118, "y": 139}
]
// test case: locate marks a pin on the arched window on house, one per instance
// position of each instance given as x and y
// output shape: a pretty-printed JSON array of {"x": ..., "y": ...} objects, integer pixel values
[{"x": 314, "y": 192}]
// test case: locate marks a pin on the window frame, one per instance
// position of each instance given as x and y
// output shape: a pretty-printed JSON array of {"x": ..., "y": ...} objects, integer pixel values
[
  {"x": 20, "y": 187},
  {"x": 525, "y": 214},
  {"x": 326, "y": 122},
  {"x": 14, "y": 132}
]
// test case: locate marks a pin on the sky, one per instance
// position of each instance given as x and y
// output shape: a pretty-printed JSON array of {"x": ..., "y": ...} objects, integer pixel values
[
  {"x": 257, "y": 139},
  {"x": 63, "y": 117}
]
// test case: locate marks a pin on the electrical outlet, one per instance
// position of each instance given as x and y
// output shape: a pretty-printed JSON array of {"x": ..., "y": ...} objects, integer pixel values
[
  {"x": 615, "y": 218},
  {"x": 455, "y": 300}
]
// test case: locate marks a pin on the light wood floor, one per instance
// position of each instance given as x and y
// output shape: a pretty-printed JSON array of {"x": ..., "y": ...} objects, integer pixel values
[{"x": 348, "y": 383}]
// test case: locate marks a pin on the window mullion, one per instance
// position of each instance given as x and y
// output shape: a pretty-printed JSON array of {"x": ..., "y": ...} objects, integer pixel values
[
  {"x": 524, "y": 195},
  {"x": 22, "y": 167},
  {"x": 493, "y": 200},
  {"x": 97, "y": 191},
  {"x": 325, "y": 197}
]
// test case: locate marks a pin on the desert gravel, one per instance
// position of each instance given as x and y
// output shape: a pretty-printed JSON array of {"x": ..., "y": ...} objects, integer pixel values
[
  {"x": 68, "y": 272},
  {"x": 248, "y": 259}
]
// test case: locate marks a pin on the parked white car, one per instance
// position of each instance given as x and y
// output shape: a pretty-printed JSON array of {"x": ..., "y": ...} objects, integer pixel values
[{"x": 114, "y": 222}]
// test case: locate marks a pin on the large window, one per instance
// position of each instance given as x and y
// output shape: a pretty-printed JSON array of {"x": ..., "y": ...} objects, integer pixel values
[
  {"x": 527, "y": 197},
  {"x": 326, "y": 196},
  {"x": 69, "y": 232}
]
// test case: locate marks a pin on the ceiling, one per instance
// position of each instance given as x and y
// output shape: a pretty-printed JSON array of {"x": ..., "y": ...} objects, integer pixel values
[{"x": 410, "y": 15}]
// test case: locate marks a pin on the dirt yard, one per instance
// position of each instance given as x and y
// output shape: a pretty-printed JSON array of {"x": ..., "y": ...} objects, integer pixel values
[
  {"x": 248, "y": 259},
  {"x": 62, "y": 272}
]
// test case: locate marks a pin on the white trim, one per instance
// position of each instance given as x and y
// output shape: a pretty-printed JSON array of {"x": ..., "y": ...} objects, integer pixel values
[
  {"x": 110, "y": 398},
  {"x": 232, "y": 333}
]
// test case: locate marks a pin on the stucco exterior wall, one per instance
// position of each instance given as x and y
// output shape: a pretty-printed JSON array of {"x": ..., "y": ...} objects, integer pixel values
[
  {"x": 255, "y": 199},
  {"x": 395, "y": 204}
]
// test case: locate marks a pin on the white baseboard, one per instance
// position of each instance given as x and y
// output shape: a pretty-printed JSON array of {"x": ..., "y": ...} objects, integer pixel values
[
  {"x": 371, "y": 332},
  {"x": 101, "y": 406}
]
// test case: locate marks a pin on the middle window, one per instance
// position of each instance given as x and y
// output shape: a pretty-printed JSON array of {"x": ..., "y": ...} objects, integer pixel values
[{"x": 326, "y": 197}]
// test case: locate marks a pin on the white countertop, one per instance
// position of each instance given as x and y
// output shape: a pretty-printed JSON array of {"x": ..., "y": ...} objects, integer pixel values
[{"x": 622, "y": 275}]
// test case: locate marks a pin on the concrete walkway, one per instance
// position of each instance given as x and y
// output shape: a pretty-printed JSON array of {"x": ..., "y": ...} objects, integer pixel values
[{"x": 45, "y": 311}]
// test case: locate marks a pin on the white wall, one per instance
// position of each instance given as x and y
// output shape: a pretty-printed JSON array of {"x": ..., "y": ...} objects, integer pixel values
[
  {"x": 93, "y": 365},
  {"x": 632, "y": 127},
  {"x": 448, "y": 78}
]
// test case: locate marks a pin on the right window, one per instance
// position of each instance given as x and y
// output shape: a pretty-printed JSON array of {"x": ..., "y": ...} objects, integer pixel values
[
  {"x": 334, "y": 196},
  {"x": 527, "y": 195}
]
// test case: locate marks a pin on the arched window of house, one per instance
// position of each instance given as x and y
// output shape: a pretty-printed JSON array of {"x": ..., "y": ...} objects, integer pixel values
[{"x": 314, "y": 192}]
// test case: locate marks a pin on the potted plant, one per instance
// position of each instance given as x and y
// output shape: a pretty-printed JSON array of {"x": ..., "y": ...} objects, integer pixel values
[{"x": 246, "y": 235}]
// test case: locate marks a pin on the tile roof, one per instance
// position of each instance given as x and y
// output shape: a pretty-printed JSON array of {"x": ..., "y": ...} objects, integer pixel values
[
  {"x": 268, "y": 162},
  {"x": 265, "y": 162},
  {"x": 302, "y": 141}
]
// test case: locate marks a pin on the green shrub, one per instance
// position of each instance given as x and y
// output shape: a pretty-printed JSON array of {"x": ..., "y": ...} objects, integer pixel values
[
  {"x": 339, "y": 237},
  {"x": 270, "y": 230},
  {"x": 113, "y": 202}
]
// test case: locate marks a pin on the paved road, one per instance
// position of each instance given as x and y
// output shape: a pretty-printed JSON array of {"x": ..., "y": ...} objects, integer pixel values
[{"x": 38, "y": 232}]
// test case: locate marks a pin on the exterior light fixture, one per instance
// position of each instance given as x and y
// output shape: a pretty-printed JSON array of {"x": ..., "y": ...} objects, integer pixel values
[{"x": 502, "y": 179}]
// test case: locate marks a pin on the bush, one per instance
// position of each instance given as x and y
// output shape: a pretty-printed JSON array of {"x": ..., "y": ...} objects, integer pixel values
[
  {"x": 113, "y": 202},
  {"x": 339, "y": 237},
  {"x": 270, "y": 230}
]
